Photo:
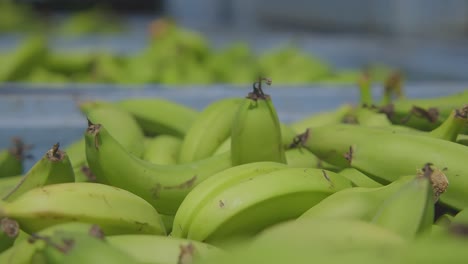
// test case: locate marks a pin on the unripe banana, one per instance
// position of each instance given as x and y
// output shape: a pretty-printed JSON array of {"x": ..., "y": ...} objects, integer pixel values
[
  {"x": 360, "y": 203},
  {"x": 210, "y": 129},
  {"x": 11, "y": 160},
  {"x": 322, "y": 118},
  {"x": 461, "y": 217},
  {"x": 117, "y": 211},
  {"x": 161, "y": 249},
  {"x": 256, "y": 132},
  {"x": 163, "y": 186},
  {"x": 8, "y": 183},
  {"x": 158, "y": 116},
  {"x": 212, "y": 186},
  {"x": 162, "y": 150},
  {"x": 84, "y": 174},
  {"x": 453, "y": 125},
  {"x": 410, "y": 211},
  {"x": 54, "y": 167},
  {"x": 298, "y": 157},
  {"x": 9, "y": 230},
  {"x": 358, "y": 178},
  {"x": 76, "y": 152},
  {"x": 368, "y": 117},
  {"x": 386, "y": 155},
  {"x": 462, "y": 139},
  {"x": 246, "y": 208},
  {"x": 77, "y": 247}
]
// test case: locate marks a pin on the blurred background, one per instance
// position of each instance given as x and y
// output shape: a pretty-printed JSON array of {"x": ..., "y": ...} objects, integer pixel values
[{"x": 54, "y": 53}]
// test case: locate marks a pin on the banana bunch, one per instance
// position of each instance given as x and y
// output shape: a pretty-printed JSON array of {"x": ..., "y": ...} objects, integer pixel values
[{"x": 154, "y": 181}]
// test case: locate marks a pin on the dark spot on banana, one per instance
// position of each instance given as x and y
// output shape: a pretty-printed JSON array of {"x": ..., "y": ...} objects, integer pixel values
[
  {"x": 141, "y": 225},
  {"x": 431, "y": 114},
  {"x": 460, "y": 230},
  {"x": 90, "y": 177},
  {"x": 155, "y": 191},
  {"x": 349, "y": 155},
  {"x": 325, "y": 175},
  {"x": 10, "y": 227},
  {"x": 186, "y": 254},
  {"x": 221, "y": 203},
  {"x": 185, "y": 185}
]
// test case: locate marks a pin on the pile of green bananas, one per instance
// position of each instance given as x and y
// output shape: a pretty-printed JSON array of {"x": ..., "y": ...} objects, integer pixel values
[
  {"x": 154, "y": 181},
  {"x": 173, "y": 56}
]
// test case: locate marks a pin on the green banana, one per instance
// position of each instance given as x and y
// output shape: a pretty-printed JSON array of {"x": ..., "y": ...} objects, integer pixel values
[
  {"x": 70, "y": 63},
  {"x": 162, "y": 250},
  {"x": 256, "y": 132},
  {"x": 78, "y": 247},
  {"x": 386, "y": 155},
  {"x": 76, "y": 152},
  {"x": 160, "y": 116},
  {"x": 410, "y": 211},
  {"x": 9, "y": 230},
  {"x": 209, "y": 129},
  {"x": 84, "y": 174},
  {"x": 212, "y": 186},
  {"x": 302, "y": 158},
  {"x": 358, "y": 178},
  {"x": 266, "y": 199},
  {"x": 163, "y": 186},
  {"x": 366, "y": 116},
  {"x": 8, "y": 183},
  {"x": 360, "y": 203},
  {"x": 424, "y": 114},
  {"x": 54, "y": 167},
  {"x": 322, "y": 118},
  {"x": 462, "y": 139},
  {"x": 444, "y": 220},
  {"x": 162, "y": 150},
  {"x": 115, "y": 210},
  {"x": 121, "y": 125},
  {"x": 461, "y": 217},
  {"x": 11, "y": 160},
  {"x": 452, "y": 125}
]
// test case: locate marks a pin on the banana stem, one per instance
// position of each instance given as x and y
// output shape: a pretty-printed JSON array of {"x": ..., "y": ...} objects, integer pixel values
[
  {"x": 452, "y": 125},
  {"x": 257, "y": 92},
  {"x": 364, "y": 84},
  {"x": 392, "y": 86}
]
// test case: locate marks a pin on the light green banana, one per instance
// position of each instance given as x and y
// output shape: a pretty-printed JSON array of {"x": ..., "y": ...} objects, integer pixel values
[
  {"x": 365, "y": 116},
  {"x": 214, "y": 185},
  {"x": 453, "y": 125},
  {"x": 163, "y": 186},
  {"x": 287, "y": 136},
  {"x": 302, "y": 158},
  {"x": 76, "y": 152},
  {"x": 320, "y": 240},
  {"x": 158, "y": 116},
  {"x": 246, "y": 208},
  {"x": 121, "y": 125},
  {"x": 410, "y": 211},
  {"x": 117, "y": 211},
  {"x": 256, "y": 132},
  {"x": 162, "y": 150},
  {"x": 322, "y": 118},
  {"x": 360, "y": 203},
  {"x": 9, "y": 230},
  {"x": 386, "y": 155},
  {"x": 8, "y": 183},
  {"x": 54, "y": 167},
  {"x": 162, "y": 250},
  {"x": 358, "y": 178},
  {"x": 78, "y": 247},
  {"x": 11, "y": 160},
  {"x": 210, "y": 129}
]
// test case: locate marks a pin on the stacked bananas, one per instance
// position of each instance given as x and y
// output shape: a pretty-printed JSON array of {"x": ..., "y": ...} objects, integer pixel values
[{"x": 154, "y": 181}]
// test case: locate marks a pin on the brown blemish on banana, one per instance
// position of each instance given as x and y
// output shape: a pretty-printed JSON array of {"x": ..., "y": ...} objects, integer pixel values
[
  {"x": 300, "y": 140},
  {"x": 96, "y": 231},
  {"x": 90, "y": 177},
  {"x": 221, "y": 203},
  {"x": 186, "y": 254},
  {"x": 325, "y": 175},
  {"x": 185, "y": 185},
  {"x": 462, "y": 112},
  {"x": 155, "y": 191},
  {"x": 431, "y": 114},
  {"x": 93, "y": 129},
  {"x": 141, "y": 225},
  {"x": 10, "y": 227},
  {"x": 65, "y": 248},
  {"x": 388, "y": 110},
  {"x": 437, "y": 177},
  {"x": 349, "y": 155},
  {"x": 460, "y": 230}
]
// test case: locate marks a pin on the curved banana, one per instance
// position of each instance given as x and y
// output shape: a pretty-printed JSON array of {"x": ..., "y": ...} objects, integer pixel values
[
  {"x": 161, "y": 249},
  {"x": 358, "y": 178},
  {"x": 360, "y": 203},
  {"x": 163, "y": 186},
  {"x": 78, "y": 247},
  {"x": 54, "y": 167},
  {"x": 158, "y": 116},
  {"x": 212, "y": 186},
  {"x": 209, "y": 129},
  {"x": 117, "y": 211},
  {"x": 11, "y": 160},
  {"x": 9, "y": 230},
  {"x": 322, "y": 118},
  {"x": 386, "y": 155},
  {"x": 246, "y": 208},
  {"x": 256, "y": 132},
  {"x": 162, "y": 150},
  {"x": 410, "y": 211}
]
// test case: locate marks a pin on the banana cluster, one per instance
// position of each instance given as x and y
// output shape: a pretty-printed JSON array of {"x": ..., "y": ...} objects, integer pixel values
[{"x": 154, "y": 181}]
